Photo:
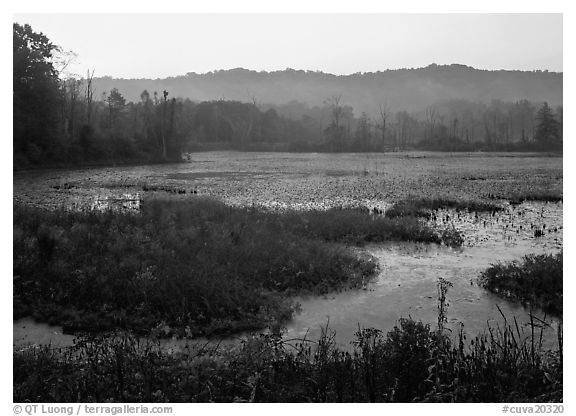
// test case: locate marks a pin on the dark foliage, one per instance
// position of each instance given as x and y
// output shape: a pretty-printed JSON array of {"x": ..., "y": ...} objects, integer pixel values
[
  {"x": 412, "y": 363},
  {"x": 536, "y": 280},
  {"x": 36, "y": 95},
  {"x": 358, "y": 226},
  {"x": 194, "y": 266},
  {"x": 424, "y": 207},
  {"x": 546, "y": 195},
  {"x": 548, "y": 128}
]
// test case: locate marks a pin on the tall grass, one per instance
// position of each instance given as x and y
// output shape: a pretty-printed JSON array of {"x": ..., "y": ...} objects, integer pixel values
[
  {"x": 357, "y": 226},
  {"x": 194, "y": 266},
  {"x": 423, "y": 207},
  {"x": 412, "y": 362},
  {"x": 536, "y": 280},
  {"x": 545, "y": 195}
]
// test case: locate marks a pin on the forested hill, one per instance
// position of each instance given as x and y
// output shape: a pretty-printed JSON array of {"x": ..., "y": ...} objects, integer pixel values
[{"x": 406, "y": 89}]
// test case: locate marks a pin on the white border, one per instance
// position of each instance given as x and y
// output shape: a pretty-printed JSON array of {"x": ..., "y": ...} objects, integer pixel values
[{"x": 295, "y": 6}]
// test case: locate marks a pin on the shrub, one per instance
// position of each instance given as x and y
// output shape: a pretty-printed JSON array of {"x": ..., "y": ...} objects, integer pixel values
[{"x": 536, "y": 280}]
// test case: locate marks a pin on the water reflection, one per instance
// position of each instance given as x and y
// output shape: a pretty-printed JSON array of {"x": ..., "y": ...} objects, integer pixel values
[
  {"x": 406, "y": 284},
  {"x": 126, "y": 202},
  {"x": 406, "y": 287}
]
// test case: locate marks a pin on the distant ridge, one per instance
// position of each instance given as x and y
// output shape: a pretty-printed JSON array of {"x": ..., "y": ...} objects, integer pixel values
[{"x": 402, "y": 89}]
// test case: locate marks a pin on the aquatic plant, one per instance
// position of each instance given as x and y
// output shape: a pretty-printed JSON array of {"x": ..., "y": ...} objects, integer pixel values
[
  {"x": 546, "y": 195},
  {"x": 536, "y": 280},
  {"x": 357, "y": 226},
  {"x": 423, "y": 207}
]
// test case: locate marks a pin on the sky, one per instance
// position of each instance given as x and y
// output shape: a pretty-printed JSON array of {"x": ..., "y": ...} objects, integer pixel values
[{"x": 162, "y": 45}]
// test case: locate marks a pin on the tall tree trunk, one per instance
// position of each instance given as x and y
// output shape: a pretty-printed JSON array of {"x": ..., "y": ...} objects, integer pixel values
[
  {"x": 163, "y": 124},
  {"x": 89, "y": 95}
]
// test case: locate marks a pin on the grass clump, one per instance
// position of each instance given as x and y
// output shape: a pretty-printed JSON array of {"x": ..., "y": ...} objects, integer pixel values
[
  {"x": 423, "y": 207},
  {"x": 195, "y": 266},
  {"x": 412, "y": 362},
  {"x": 357, "y": 226},
  {"x": 543, "y": 195},
  {"x": 536, "y": 280}
]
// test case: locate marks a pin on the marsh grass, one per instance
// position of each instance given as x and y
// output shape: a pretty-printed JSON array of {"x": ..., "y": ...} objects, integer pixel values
[
  {"x": 536, "y": 280},
  {"x": 423, "y": 207},
  {"x": 357, "y": 226},
  {"x": 543, "y": 195},
  {"x": 412, "y": 362},
  {"x": 190, "y": 265}
]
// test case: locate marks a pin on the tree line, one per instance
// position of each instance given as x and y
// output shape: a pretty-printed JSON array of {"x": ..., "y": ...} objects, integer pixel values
[
  {"x": 66, "y": 121},
  {"x": 408, "y": 89}
]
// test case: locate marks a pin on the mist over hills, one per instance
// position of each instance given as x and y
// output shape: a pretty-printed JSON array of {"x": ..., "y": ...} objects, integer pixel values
[{"x": 403, "y": 89}]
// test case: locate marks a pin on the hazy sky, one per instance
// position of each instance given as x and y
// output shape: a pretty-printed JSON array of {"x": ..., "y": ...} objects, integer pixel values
[{"x": 160, "y": 45}]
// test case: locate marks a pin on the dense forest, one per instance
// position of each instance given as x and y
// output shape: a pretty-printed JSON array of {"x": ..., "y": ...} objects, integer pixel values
[{"x": 72, "y": 120}]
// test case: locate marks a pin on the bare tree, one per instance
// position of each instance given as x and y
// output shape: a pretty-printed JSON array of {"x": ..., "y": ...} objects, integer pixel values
[
  {"x": 253, "y": 99},
  {"x": 431, "y": 120},
  {"x": 384, "y": 115},
  {"x": 89, "y": 95},
  {"x": 62, "y": 59},
  {"x": 248, "y": 130},
  {"x": 172, "y": 115},
  {"x": 74, "y": 88},
  {"x": 405, "y": 124},
  {"x": 363, "y": 135},
  {"x": 163, "y": 123},
  {"x": 455, "y": 127},
  {"x": 335, "y": 129},
  {"x": 488, "y": 136}
]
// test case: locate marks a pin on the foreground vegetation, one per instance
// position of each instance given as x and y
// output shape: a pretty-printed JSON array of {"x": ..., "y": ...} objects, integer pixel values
[
  {"x": 190, "y": 266},
  {"x": 410, "y": 363},
  {"x": 536, "y": 280}
]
